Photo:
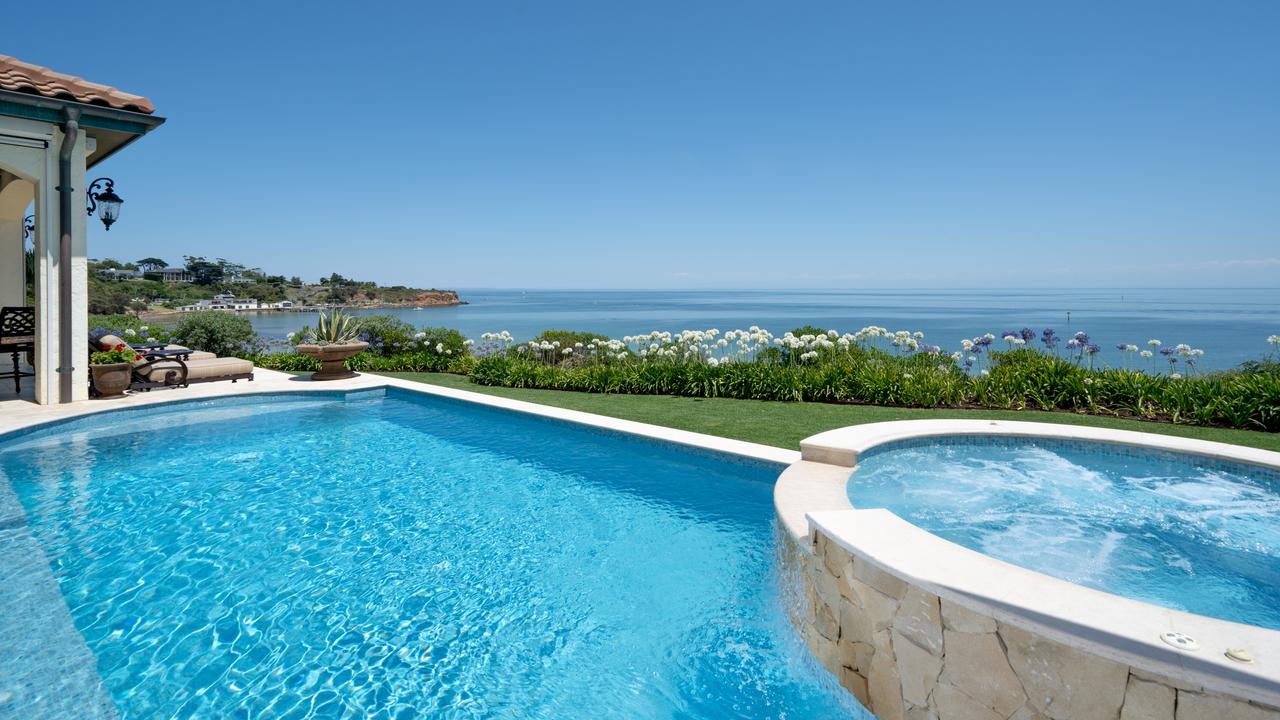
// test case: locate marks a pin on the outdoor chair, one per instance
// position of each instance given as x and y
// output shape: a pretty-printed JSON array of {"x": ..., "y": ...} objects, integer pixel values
[
  {"x": 176, "y": 366},
  {"x": 18, "y": 336}
]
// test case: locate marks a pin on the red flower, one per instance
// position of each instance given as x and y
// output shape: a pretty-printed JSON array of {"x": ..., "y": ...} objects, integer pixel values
[
  {"x": 137, "y": 357},
  {"x": 120, "y": 347}
]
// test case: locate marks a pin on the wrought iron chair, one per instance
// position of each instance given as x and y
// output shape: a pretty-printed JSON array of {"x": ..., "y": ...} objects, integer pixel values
[{"x": 17, "y": 336}]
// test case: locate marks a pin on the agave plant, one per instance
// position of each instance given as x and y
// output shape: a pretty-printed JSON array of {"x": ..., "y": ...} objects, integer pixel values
[{"x": 334, "y": 328}]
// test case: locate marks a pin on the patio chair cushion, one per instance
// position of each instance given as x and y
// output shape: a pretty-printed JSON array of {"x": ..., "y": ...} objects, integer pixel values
[
  {"x": 199, "y": 369},
  {"x": 110, "y": 340},
  {"x": 17, "y": 340},
  {"x": 195, "y": 354},
  {"x": 218, "y": 367}
]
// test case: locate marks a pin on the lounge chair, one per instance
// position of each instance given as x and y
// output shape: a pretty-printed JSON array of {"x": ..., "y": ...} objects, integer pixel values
[{"x": 177, "y": 366}]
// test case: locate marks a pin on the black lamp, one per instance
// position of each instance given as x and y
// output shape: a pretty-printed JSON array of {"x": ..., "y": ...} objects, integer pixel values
[{"x": 106, "y": 202}]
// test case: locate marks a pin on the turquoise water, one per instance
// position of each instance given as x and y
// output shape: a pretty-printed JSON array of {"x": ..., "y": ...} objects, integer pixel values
[
  {"x": 407, "y": 557},
  {"x": 1230, "y": 325},
  {"x": 1184, "y": 532}
]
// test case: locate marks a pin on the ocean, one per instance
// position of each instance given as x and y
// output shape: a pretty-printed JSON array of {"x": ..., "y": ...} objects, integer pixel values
[{"x": 1230, "y": 325}]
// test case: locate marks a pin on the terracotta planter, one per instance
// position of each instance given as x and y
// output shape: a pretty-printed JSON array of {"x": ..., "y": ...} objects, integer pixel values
[
  {"x": 111, "y": 380},
  {"x": 331, "y": 358}
]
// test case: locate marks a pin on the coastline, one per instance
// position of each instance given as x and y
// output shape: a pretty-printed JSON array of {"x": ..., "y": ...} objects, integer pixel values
[{"x": 431, "y": 299}]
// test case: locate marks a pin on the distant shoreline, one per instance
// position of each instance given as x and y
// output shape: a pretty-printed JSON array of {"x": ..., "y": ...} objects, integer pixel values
[{"x": 437, "y": 299}]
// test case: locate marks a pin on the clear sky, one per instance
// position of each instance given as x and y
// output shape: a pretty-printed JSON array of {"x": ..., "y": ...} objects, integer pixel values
[{"x": 692, "y": 144}]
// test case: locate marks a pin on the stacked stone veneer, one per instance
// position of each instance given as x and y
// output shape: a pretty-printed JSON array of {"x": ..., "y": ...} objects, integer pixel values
[{"x": 906, "y": 653}]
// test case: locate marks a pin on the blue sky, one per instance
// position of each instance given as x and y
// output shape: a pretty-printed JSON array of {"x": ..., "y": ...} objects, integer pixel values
[{"x": 695, "y": 144}]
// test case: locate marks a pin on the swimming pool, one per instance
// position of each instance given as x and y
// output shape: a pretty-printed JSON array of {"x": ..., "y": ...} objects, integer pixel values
[
  {"x": 1179, "y": 530},
  {"x": 394, "y": 556}
]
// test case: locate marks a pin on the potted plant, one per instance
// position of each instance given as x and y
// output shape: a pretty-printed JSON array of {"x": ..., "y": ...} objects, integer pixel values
[
  {"x": 112, "y": 369},
  {"x": 334, "y": 340}
]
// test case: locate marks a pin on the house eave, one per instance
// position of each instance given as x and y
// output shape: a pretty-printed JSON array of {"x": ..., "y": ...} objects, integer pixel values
[{"x": 118, "y": 127}]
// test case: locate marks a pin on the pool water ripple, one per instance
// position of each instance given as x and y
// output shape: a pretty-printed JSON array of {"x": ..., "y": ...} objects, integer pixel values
[{"x": 1176, "y": 530}]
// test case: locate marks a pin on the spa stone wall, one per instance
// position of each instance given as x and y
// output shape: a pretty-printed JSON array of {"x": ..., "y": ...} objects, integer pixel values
[{"x": 907, "y": 654}]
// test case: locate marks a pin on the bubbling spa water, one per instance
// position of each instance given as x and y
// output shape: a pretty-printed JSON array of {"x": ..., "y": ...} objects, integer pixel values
[{"x": 1182, "y": 531}]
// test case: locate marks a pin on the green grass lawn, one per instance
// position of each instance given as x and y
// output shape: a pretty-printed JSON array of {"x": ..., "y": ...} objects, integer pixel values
[{"x": 785, "y": 424}]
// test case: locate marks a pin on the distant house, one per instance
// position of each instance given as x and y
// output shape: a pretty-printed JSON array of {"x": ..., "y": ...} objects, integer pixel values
[
  {"x": 225, "y": 301},
  {"x": 175, "y": 275},
  {"x": 239, "y": 280},
  {"x": 119, "y": 274}
]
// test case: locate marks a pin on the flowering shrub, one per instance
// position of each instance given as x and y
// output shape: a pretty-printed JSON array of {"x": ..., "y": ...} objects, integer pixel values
[
  {"x": 127, "y": 327},
  {"x": 1018, "y": 369},
  {"x": 1037, "y": 370}
]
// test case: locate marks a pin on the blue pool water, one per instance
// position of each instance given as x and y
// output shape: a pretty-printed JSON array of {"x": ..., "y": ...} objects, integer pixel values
[
  {"x": 1181, "y": 531},
  {"x": 407, "y": 557}
]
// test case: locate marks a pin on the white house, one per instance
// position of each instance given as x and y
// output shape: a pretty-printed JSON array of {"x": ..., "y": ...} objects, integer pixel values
[
  {"x": 225, "y": 301},
  {"x": 53, "y": 129},
  {"x": 119, "y": 274}
]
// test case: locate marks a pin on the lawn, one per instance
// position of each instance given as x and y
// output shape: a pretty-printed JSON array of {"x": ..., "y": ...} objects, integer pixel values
[{"x": 785, "y": 424}]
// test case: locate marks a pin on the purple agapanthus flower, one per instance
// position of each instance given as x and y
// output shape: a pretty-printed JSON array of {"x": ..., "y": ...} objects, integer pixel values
[
  {"x": 1082, "y": 337},
  {"x": 1050, "y": 338},
  {"x": 1028, "y": 334},
  {"x": 1092, "y": 348}
]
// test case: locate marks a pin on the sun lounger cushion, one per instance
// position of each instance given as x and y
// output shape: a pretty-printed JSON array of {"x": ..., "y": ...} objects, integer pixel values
[
  {"x": 200, "y": 369},
  {"x": 195, "y": 354}
]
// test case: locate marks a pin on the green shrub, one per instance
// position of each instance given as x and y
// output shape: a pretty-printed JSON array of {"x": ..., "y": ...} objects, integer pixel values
[
  {"x": 568, "y": 338},
  {"x": 385, "y": 334},
  {"x": 220, "y": 333},
  {"x": 1018, "y": 379},
  {"x": 445, "y": 341},
  {"x": 421, "y": 361},
  {"x": 129, "y": 327}
]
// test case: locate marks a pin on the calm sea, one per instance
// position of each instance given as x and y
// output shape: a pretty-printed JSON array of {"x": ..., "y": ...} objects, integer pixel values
[{"x": 1230, "y": 325}]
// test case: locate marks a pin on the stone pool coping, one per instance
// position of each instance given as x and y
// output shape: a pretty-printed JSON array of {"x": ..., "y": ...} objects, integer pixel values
[
  {"x": 811, "y": 500},
  {"x": 19, "y": 415}
]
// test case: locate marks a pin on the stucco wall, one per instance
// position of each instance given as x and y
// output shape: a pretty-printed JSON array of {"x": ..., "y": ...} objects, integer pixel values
[{"x": 906, "y": 653}]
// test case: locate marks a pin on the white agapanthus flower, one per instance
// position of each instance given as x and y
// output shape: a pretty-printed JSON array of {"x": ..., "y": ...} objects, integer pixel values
[
  {"x": 130, "y": 332},
  {"x": 1175, "y": 376},
  {"x": 1274, "y": 340},
  {"x": 1154, "y": 343},
  {"x": 1146, "y": 353}
]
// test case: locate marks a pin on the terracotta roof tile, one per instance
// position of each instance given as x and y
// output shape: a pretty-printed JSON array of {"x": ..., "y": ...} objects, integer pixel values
[{"x": 27, "y": 78}]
